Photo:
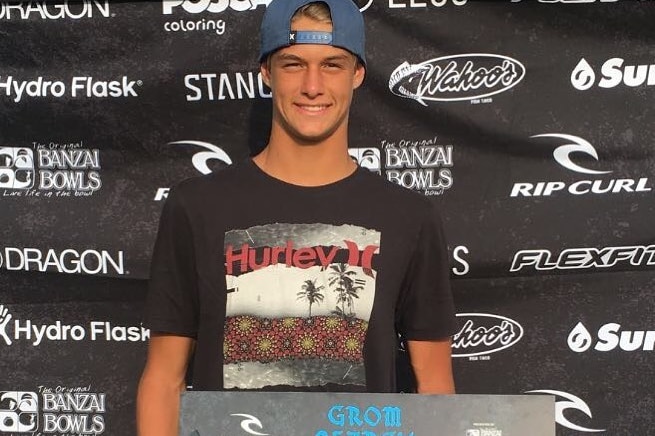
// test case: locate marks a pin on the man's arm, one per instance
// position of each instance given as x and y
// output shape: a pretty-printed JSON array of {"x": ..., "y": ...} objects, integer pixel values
[
  {"x": 431, "y": 362},
  {"x": 162, "y": 381}
]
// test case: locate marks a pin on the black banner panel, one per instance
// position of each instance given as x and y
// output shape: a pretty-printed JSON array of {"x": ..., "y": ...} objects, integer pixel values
[{"x": 528, "y": 122}]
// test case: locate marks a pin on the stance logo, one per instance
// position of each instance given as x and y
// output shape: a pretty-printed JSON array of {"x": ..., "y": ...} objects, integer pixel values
[
  {"x": 569, "y": 402},
  {"x": 456, "y": 78},
  {"x": 248, "y": 422}
]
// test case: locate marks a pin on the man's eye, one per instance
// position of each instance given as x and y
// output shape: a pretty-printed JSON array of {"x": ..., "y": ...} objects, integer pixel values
[
  {"x": 291, "y": 65},
  {"x": 333, "y": 65}
]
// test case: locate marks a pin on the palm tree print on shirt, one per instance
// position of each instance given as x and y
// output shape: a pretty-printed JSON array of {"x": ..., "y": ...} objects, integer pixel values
[
  {"x": 347, "y": 286},
  {"x": 311, "y": 293}
]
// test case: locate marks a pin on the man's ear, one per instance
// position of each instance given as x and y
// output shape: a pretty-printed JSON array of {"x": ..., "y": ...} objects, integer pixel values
[
  {"x": 360, "y": 73},
  {"x": 264, "y": 68}
]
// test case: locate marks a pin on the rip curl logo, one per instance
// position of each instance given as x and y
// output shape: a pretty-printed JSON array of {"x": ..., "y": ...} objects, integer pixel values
[
  {"x": 562, "y": 154},
  {"x": 565, "y": 401},
  {"x": 248, "y": 422},
  {"x": 365, "y": 4},
  {"x": 456, "y": 78},
  {"x": 201, "y": 158},
  {"x": 200, "y": 161}
]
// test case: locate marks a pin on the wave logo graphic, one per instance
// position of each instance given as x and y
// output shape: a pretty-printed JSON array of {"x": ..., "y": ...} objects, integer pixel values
[
  {"x": 248, "y": 422},
  {"x": 456, "y": 78},
  {"x": 201, "y": 158},
  {"x": 484, "y": 333},
  {"x": 565, "y": 401},
  {"x": 562, "y": 154}
]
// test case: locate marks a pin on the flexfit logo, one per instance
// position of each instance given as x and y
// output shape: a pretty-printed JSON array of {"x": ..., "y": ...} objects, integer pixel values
[
  {"x": 565, "y": 401},
  {"x": 78, "y": 87},
  {"x": 464, "y": 77},
  {"x": 68, "y": 261},
  {"x": 49, "y": 169},
  {"x": 609, "y": 338},
  {"x": 248, "y": 422},
  {"x": 200, "y": 160},
  {"x": 613, "y": 73},
  {"x": 57, "y": 410},
  {"x": 563, "y": 155},
  {"x": 37, "y": 333},
  {"x": 225, "y": 86},
  {"x": 584, "y": 258},
  {"x": 483, "y": 334},
  {"x": 48, "y": 10}
]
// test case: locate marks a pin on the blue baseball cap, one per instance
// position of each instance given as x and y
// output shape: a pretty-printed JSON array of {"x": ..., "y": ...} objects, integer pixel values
[{"x": 347, "y": 27}]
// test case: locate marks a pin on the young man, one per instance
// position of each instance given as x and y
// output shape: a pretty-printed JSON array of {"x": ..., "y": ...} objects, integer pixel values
[{"x": 297, "y": 270}]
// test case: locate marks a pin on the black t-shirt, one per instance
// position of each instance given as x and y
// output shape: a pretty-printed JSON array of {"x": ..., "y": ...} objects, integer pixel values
[{"x": 287, "y": 287}]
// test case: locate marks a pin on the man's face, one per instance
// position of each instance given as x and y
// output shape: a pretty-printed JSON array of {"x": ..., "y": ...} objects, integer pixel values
[{"x": 312, "y": 87}]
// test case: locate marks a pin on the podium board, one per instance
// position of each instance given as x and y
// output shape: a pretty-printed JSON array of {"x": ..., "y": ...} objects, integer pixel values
[{"x": 341, "y": 414}]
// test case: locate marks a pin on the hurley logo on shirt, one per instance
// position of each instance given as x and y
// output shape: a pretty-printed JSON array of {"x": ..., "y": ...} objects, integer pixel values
[{"x": 247, "y": 258}]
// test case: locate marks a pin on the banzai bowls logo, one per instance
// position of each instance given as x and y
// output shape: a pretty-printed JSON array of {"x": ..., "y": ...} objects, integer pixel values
[
  {"x": 18, "y": 412},
  {"x": 16, "y": 168},
  {"x": 367, "y": 157}
]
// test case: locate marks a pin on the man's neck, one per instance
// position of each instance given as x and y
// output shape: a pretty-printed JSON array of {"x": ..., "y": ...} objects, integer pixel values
[{"x": 306, "y": 165}]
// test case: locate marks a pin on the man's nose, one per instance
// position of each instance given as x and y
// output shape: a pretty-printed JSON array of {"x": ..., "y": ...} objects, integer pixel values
[{"x": 312, "y": 84}]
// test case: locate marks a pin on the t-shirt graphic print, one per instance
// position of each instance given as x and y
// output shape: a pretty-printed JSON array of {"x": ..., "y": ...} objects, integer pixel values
[{"x": 299, "y": 299}]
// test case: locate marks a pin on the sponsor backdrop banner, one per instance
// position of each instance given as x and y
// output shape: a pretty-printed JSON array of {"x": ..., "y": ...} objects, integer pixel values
[{"x": 528, "y": 122}]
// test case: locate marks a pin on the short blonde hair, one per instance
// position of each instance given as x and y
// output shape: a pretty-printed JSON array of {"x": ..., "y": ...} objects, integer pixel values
[{"x": 317, "y": 11}]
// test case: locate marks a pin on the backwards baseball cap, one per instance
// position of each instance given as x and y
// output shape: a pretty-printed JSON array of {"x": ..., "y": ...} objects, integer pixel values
[{"x": 347, "y": 27}]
